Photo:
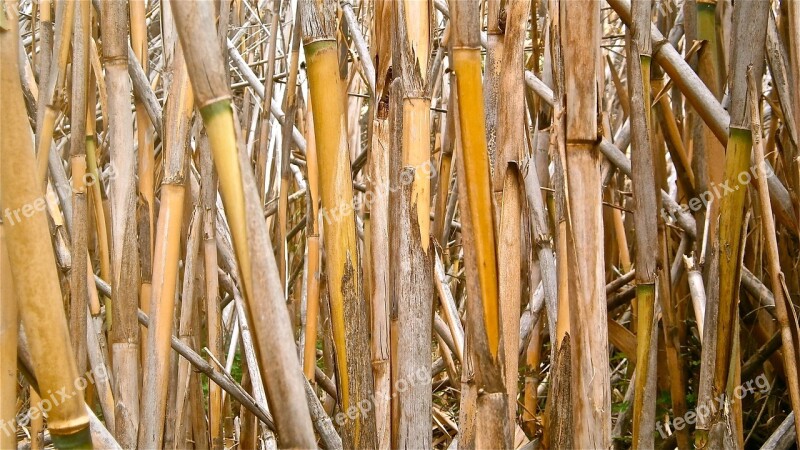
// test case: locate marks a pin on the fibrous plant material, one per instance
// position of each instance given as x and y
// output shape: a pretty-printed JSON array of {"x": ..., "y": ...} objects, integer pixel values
[
  {"x": 320, "y": 206},
  {"x": 30, "y": 253},
  {"x": 344, "y": 276}
]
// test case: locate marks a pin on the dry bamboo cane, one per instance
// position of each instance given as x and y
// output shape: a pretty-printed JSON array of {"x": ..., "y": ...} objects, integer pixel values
[
  {"x": 45, "y": 62},
  {"x": 787, "y": 321},
  {"x": 645, "y": 197},
  {"x": 30, "y": 253},
  {"x": 349, "y": 319},
  {"x": 80, "y": 226},
  {"x": 507, "y": 184},
  {"x": 290, "y": 108},
  {"x": 314, "y": 256},
  {"x": 124, "y": 335},
  {"x": 580, "y": 40},
  {"x": 186, "y": 329},
  {"x": 413, "y": 276},
  {"x": 8, "y": 357},
  {"x": 478, "y": 234},
  {"x": 96, "y": 199},
  {"x": 166, "y": 256},
  {"x": 445, "y": 171},
  {"x": 208, "y": 194},
  {"x": 264, "y": 137},
  {"x": 51, "y": 100},
  {"x": 379, "y": 265},
  {"x": 750, "y": 20},
  {"x": 257, "y": 267},
  {"x": 558, "y": 412},
  {"x": 145, "y": 165}
]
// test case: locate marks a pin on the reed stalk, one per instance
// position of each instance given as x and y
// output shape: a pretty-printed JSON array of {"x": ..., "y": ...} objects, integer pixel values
[
  {"x": 787, "y": 318},
  {"x": 410, "y": 234},
  {"x": 262, "y": 292},
  {"x": 166, "y": 256},
  {"x": 750, "y": 22},
  {"x": 124, "y": 335},
  {"x": 645, "y": 211},
  {"x": 478, "y": 235},
  {"x": 80, "y": 225},
  {"x": 336, "y": 194},
  {"x": 580, "y": 42},
  {"x": 31, "y": 257}
]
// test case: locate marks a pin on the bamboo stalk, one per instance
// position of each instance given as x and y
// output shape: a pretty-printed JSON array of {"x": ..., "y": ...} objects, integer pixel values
[
  {"x": 263, "y": 141},
  {"x": 208, "y": 194},
  {"x": 787, "y": 319},
  {"x": 478, "y": 235},
  {"x": 645, "y": 213},
  {"x": 314, "y": 257},
  {"x": 185, "y": 330},
  {"x": 80, "y": 225},
  {"x": 124, "y": 335},
  {"x": 588, "y": 329},
  {"x": 253, "y": 251},
  {"x": 51, "y": 99},
  {"x": 30, "y": 254},
  {"x": 379, "y": 266},
  {"x": 146, "y": 168},
  {"x": 507, "y": 184},
  {"x": 410, "y": 234},
  {"x": 166, "y": 257},
  {"x": 343, "y": 273},
  {"x": 290, "y": 106},
  {"x": 750, "y": 25}
]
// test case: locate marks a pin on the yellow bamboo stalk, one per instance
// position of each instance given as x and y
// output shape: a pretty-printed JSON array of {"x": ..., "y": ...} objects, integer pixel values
[
  {"x": 312, "y": 290},
  {"x": 9, "y": 324},
  {"x": 146, "y": 164},
  {"x": 30, "y": 253},
  {"x": 276, "y": 351},
  {"x": 165, "y": 258}
]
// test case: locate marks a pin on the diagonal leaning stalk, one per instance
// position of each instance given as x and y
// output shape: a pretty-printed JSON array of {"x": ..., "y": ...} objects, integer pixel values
[
  {"x": 277, "y": 354},
  {"x": 30, "y": 252}
]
